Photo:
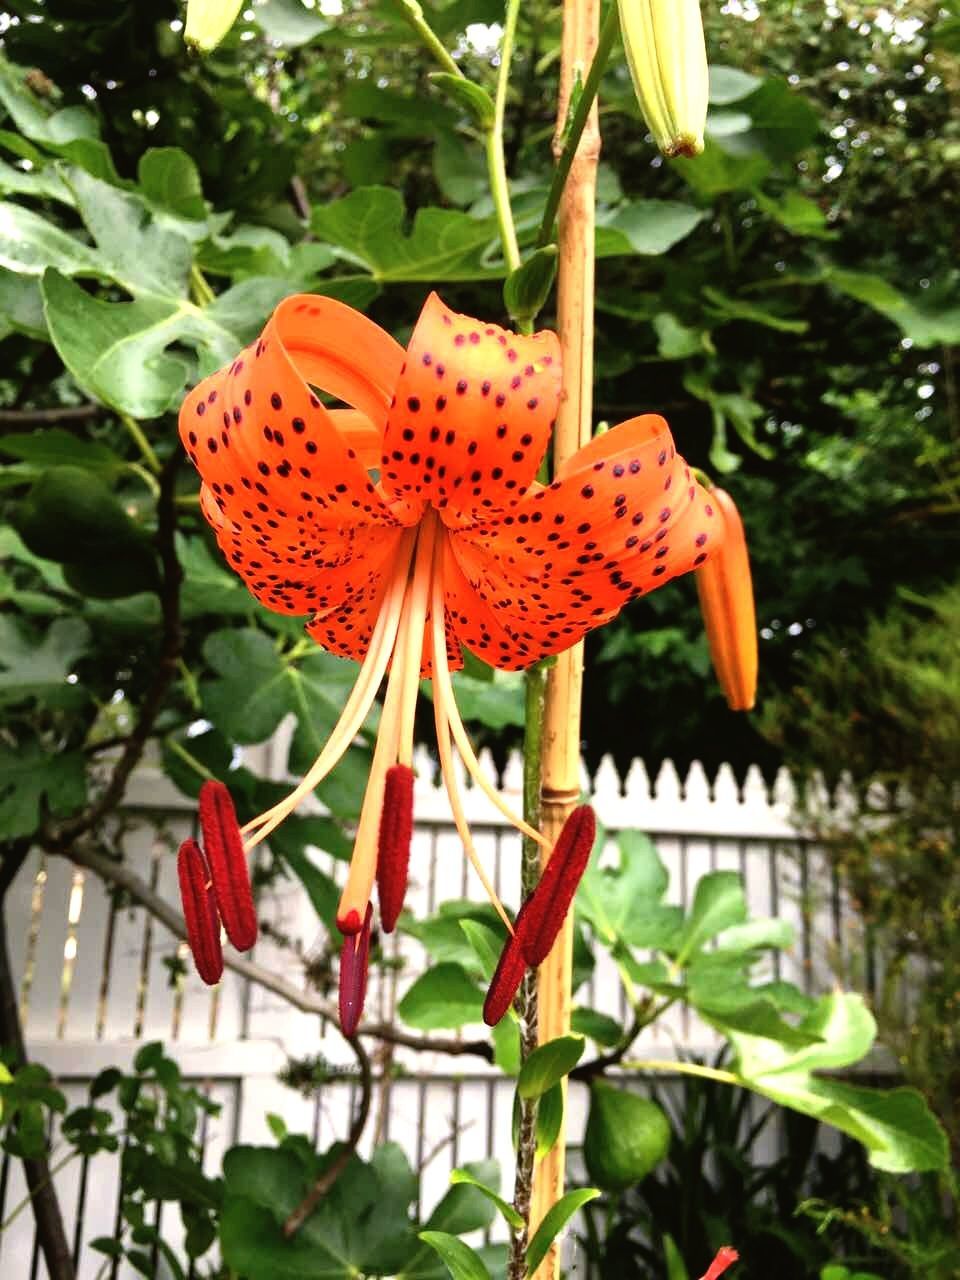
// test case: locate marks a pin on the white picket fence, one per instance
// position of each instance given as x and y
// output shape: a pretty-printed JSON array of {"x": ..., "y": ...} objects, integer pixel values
[{"x": 95, "y": 982}]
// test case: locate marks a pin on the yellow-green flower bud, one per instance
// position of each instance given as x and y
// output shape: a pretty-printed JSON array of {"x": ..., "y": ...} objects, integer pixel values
[
  {"x": 667, "y": 57},
  {"x": 208, "y": 21}
]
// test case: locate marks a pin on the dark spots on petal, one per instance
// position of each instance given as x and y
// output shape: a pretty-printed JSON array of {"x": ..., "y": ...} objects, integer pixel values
[
  {"x": 586, "y": 491},
  {"x": 427, "y": 359},
  {"x": 299, "y": 426},
  {"x": 700, "y": 558},
  {"x": 664, "y": 515},
  {"x": 532, "y": 402},
  {"x": 501, "y": 431},
  {"x": 500, "y": 400},
  {"x": 413, "y": 404},
  {"x": 462, "y": 387},
  {"x": 237, "y": 415},
  {"x": 662, "y": 458},
  {"x": 701, "y": 540},
  {"x": 485, "y": 388},
  {"x": 472, "y": 448},
  {"x": 275, "y": 401}
]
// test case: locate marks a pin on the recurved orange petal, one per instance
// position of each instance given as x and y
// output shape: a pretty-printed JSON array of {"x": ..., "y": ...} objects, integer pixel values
[
  {"x": 623, "y": 516},
  {"x": 474, "y": 408},
  {"x": 286, "y": 486},
  {"x": 725, "y": 588}
]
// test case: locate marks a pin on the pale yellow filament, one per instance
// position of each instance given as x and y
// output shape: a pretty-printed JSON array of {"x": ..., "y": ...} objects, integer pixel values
[
  {"x": 412, "y": 626},
  {"x": 358, "y": 704},
  {"x": 443, "y": 692},
  {"x": 363, "y": 861}
]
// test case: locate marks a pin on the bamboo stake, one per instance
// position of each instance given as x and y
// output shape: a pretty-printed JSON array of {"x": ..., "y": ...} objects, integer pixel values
[{"x": 561, "y": 755}]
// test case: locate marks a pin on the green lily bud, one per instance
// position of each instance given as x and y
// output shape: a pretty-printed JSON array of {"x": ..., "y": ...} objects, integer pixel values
[
  {"x": 208, "y": 21},
  {"x": 667, "y": 57}
]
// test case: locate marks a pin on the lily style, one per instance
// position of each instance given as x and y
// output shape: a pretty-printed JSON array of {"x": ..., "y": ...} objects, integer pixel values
[{"x": 408, "y": 526}]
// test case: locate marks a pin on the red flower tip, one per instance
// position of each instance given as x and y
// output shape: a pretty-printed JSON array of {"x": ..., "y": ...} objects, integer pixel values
[
  {"x": 200, "y": 912},
  {"x": 506, "y": 981},
  {"x": 544, "y": 911},
  {"x": 354, "y": 958},
  {"x": 724, "y": 1259},
  {"x": 393, "y": 849},
  {"x": 223, "y": 846},
  {"x": 350, "y": 923}
]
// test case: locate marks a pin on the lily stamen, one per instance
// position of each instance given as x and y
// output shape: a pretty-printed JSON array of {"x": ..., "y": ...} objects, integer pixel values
[{"x": 357, "y": 707}]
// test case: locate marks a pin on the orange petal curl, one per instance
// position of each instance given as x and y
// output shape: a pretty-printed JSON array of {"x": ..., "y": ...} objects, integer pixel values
[
  {"x": 725, "y": 588},
  {"x": 473, "y": 410},
  {"x": 623, "y": 516}
]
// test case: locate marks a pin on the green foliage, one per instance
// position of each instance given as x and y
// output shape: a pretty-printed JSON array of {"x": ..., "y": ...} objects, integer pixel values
[
  {"x": 789, "y": 297},
  {"x": 716, "y": 1184},
  {"x": 154, "y": 1122},
  {"x": 885, "y": 705}
]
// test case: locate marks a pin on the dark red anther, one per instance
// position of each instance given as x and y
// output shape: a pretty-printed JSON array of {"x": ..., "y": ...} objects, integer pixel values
[
  {"x": 223, "y": 846},
  {"x": 200, "y": 912},
  {"x": 724, "y": 1259},
  {"x": 393, "y": 849},
  {"x": 354, "y": 959},
  {"x": 506, "y": 981},
  {"x": 544, "y": 911}
]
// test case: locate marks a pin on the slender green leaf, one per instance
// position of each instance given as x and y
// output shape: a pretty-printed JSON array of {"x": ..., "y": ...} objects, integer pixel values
[
  {"x": 553, "y": 1223},
  {"x": 548, "y": 1064}
]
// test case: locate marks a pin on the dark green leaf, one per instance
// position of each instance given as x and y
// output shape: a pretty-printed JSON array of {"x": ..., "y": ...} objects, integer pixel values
[
  {"x": 553, "y": 1223},
  {"x": 525, "y": 291},
  {"x": 443, "y": 244},
  {"x": 649, "y": 227},
  {"x": 459, "y": 1259},
  {"x": 28, "y": 776},
  {"x": 548, "y": 1064},
  {"x": 507, "y": 1211},
  {"x": 443, "y": 997}
]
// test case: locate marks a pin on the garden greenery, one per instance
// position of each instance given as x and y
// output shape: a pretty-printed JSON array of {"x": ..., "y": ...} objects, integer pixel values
[{"x": 786, "y": 298}]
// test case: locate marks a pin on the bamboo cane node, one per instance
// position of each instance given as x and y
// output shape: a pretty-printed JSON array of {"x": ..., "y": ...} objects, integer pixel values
[{"x": 560, "y": 795}]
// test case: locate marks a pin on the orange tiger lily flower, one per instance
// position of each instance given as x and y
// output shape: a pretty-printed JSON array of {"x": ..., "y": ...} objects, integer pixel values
[
  {"x": 411, "y": 525},
  {"x": 725, "y": 588}
]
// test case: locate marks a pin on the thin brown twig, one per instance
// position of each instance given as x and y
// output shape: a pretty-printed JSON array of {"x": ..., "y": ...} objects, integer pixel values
[
  {"x": 117, "y": 873},
  {"x": 302, "y": 1212},
  {"x": 51, "y": 1235},
  {"x": 15, "y": 418}
]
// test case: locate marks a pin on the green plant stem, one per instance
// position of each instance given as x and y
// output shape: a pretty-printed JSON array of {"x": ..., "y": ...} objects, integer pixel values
[
  {"x": 190, "y": 683},
  {"x": 535, "y": 690},
  {"x": 140, "y": 440},
  {"x": 496, "y": 158},
  {"x": 670, "y": 1066},
  {"x": 46, "y": 1181},
  {"x": 148, "y": 478},
  {"x": 180, "y": 750},
  {"x": 428, "y": 37},
  {"x": 203, "y": 295},
  {"x": 575, "y": 126}
]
